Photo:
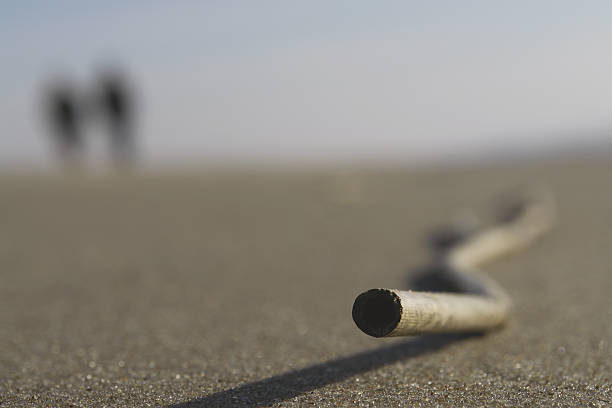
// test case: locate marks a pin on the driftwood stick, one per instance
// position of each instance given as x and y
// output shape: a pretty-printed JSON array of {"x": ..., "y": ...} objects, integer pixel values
[{"x": 482, "y": 305}]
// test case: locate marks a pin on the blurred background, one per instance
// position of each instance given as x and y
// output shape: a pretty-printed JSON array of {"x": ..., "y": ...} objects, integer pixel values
[{"x": 314, "y": 82}]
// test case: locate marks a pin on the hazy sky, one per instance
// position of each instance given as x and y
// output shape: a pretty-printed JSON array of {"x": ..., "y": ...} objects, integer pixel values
[{"x": 317, "y": 80}]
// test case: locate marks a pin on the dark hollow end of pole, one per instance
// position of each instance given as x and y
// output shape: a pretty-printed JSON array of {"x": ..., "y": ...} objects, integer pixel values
[{"x": 377, "y": 312}]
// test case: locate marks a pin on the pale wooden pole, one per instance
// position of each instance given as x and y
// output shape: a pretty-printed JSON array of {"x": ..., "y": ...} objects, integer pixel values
[{"x": 482, "y": 305}]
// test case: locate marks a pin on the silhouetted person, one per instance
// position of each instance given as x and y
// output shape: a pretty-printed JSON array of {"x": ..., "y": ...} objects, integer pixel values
[
  {"x": 116, "y": 106},
  {"x": 64, "y": 121}
]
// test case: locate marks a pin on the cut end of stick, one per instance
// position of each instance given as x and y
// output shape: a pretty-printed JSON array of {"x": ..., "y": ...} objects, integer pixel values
[{"x": 377, "y": 312}]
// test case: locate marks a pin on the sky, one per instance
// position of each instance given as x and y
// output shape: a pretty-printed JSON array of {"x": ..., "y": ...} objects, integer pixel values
[{"x": 309, "y": 81}]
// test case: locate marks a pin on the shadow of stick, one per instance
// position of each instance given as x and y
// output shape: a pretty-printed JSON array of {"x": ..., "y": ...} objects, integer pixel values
[{"x": 286, "y": 386}]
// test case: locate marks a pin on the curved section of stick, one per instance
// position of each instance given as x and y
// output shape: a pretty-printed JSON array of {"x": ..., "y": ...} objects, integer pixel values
[{"x": 482, "y": 305}]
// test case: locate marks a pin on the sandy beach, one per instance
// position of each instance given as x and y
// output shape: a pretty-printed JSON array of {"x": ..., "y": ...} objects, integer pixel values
[{"x": 235, "y": 288}]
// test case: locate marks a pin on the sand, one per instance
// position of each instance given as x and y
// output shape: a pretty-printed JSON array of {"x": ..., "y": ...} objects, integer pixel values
[{"x": 235, "y": 288}]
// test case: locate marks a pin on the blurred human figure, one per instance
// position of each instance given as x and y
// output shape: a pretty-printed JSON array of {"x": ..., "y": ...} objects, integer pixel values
[
  {"x": 64, "y": 119},
  {"x": 116, "y": 104}
]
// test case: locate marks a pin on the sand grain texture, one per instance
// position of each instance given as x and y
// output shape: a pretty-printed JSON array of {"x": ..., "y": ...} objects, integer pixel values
[{"x": 235, "y": 289}]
